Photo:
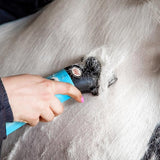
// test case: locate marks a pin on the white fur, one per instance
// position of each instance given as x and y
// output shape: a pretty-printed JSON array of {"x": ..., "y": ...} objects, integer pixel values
[{"x": 117, "y": 124}]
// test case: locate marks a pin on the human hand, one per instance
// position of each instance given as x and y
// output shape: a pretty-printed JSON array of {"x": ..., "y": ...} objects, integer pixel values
[{"x": 32, "y": 98}]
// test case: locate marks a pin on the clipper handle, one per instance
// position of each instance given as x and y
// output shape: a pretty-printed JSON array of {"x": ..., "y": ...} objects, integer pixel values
[{"x": 59, "y": 76}]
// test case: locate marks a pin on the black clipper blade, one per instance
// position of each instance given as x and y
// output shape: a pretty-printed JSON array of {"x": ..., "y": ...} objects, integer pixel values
[{"x": 85, "y": 75}]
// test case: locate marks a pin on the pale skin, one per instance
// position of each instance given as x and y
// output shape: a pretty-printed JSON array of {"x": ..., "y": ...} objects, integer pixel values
[{"x": 32, "y": 98}]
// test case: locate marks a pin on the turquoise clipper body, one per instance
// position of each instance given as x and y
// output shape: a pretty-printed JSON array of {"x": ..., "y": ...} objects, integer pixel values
[
  {"x": 59, "y": 76},
  {"x": 84, "y": 75}
]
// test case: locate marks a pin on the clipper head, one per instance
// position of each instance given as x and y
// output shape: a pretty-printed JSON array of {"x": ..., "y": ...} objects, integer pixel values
[{"x": 85, "y": 75}]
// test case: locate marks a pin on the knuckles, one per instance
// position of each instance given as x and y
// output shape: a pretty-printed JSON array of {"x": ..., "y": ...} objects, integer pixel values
[
  {"x": 47, "y": 84},
  {"x": 69, "y": 88},
  {"x": 44, "y": 99},
  {"x": 50, "y": 118},
  {"x": 46, "y": 96},
  {"x": 47, "y": 93},
  {"x": 61, "y": 110},
  {"x": 34, "y": 119}
]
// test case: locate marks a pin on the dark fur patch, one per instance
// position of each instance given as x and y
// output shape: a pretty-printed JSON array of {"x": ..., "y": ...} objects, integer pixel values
[{"x": 153, "y": 145}]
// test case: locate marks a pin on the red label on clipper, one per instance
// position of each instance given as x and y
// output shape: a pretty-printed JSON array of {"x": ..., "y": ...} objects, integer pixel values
[{"x": 76, "y": 71}]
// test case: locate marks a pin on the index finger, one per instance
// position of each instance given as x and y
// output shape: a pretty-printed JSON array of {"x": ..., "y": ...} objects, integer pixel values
[{"x": 67, "y": 89}]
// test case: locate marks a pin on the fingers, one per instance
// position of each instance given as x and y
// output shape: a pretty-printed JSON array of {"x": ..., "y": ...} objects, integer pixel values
[
  {"x": 47, "y": 115},
  {"x": 67, "y": 89},
  {"x": 32, "y": 120},
  {"x": 34, "y": 123},
  {"x": 48, "y": 105},
  {"x": 56, "y": 106}
]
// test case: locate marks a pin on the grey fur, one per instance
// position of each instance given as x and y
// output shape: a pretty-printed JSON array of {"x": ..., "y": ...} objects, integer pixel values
[{"x": 116, "y": 125}]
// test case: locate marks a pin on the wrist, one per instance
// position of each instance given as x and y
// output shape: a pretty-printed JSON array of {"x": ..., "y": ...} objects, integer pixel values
[{"x": 4, "y": 102}]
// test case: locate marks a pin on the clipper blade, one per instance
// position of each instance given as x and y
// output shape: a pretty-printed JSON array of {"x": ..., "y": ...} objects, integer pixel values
[{"x": 85, "y": 75}]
